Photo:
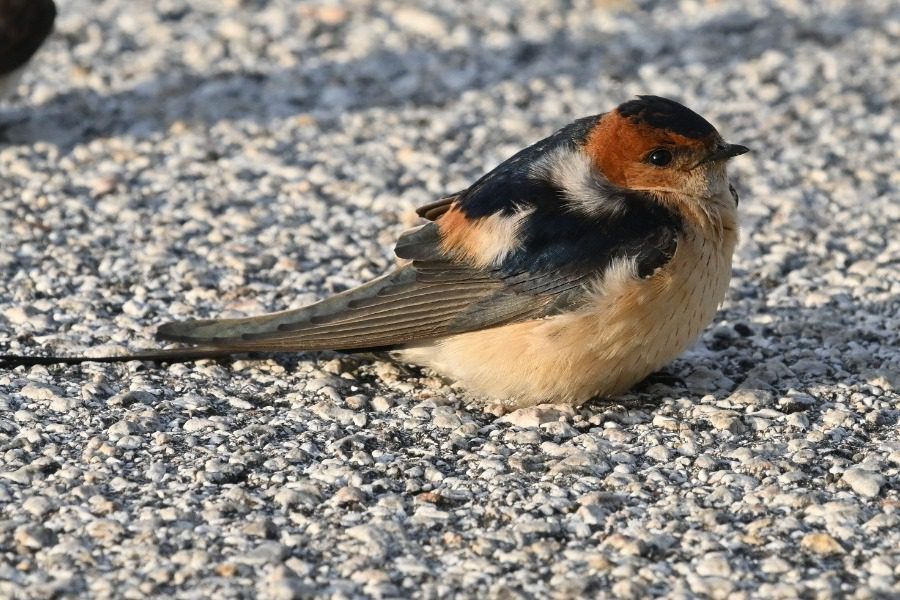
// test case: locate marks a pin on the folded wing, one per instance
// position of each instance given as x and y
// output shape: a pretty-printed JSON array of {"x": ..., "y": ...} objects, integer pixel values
[{"x": 429, "y": 298}]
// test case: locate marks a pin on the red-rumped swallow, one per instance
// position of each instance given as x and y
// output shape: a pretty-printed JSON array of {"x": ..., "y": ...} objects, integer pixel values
[
  {"x": 24, "y": 25},
  {"x": 573, "y": 270}
]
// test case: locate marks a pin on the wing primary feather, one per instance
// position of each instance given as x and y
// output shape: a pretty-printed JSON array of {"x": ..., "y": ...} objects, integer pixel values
[
  {"x": 384, "y": 324},
  {"x": 351, "y": 341},
  {"x": 203, "y": 330},
  {"x": 441, "y": 292}
]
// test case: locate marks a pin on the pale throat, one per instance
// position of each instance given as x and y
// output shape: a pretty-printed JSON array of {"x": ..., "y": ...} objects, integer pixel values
[{"x": 705, "y": 202}]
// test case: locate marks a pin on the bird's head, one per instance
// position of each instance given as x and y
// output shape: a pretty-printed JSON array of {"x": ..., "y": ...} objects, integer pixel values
[{"x": 657, "y": 145}]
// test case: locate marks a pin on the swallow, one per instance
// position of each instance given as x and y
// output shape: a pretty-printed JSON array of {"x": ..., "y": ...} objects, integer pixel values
[
  {"x": 24, "y": 25},
  {"x": 573, "y": 270}
]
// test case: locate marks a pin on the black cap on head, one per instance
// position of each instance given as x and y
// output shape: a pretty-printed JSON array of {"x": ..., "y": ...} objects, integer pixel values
[{"x": 666, "y": 114}]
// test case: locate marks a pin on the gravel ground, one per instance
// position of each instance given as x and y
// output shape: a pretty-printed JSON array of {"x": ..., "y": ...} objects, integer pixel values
[{"x": 193, "y": 158}]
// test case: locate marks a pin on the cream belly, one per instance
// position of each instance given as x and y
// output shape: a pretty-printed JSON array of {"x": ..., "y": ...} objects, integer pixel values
[{"x": 629, "y": 329}]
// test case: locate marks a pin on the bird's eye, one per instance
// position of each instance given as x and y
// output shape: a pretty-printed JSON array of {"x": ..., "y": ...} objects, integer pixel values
[{"x": 660, "y": 157}]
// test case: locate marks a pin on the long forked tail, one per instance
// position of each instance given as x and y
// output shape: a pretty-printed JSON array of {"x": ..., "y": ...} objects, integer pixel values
[{"x": 170, "y": 355}]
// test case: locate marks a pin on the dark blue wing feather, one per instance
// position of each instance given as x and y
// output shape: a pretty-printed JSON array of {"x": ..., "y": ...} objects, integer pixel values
[
  {"x": 512, "y": 184},
  {"x": 557, "y": 240}
]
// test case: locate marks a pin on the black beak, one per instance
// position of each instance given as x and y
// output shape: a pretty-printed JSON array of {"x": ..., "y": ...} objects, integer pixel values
[{"x": 726, "y": 151}]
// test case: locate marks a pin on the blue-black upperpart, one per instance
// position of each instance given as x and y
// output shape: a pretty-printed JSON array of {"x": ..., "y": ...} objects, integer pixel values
[
  {"x": 511, "y": 184},
  {"x": 666, "y": 114},
  {"x": 554, "y": 238}
]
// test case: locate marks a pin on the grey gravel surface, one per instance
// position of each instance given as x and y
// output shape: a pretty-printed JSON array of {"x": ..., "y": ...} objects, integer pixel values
[{"x": 171, "y": 159}]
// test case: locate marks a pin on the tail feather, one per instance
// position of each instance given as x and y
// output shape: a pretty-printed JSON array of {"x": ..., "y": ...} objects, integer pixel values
[
  {"x": 225, "y": 331},
  {"x": 170, "y": 355}
]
